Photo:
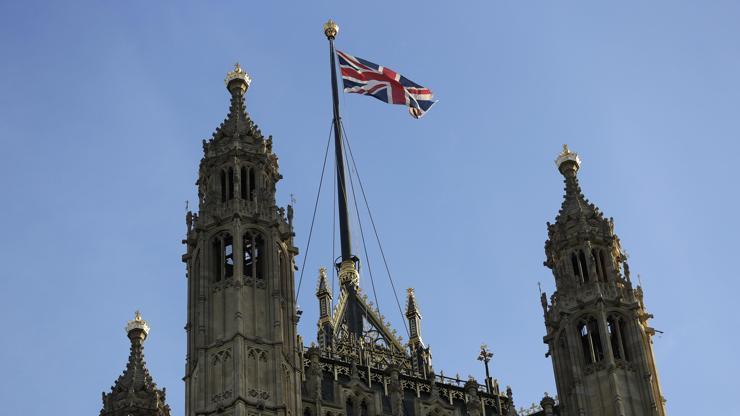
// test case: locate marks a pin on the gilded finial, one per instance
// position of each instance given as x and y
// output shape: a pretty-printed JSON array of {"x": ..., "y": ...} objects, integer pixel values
[
  {"x": 567, "y": 155},
  {"x": 238, "y": 73},
  {"x": 331, "y": 28},
  {"x": 137, "y": 323},
  {"x": 410, "y": 291}
]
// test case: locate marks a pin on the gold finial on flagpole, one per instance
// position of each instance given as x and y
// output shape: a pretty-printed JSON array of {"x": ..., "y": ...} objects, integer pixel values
[{"x": 331, "y": 28}]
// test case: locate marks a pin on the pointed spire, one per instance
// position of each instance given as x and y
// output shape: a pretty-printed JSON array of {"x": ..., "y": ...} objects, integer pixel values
[
  {"x": 577, "y": 215},
  {"x": 575, "y": 206},
  {"x": 325, "y": 313},
  {"x": 237, "y": 122},
  {"x": 135, "y": 393},
  {"x": 413, "y": 315},
  {"x": 411, "y": 308},
  {"x": 323, "y": 287}
]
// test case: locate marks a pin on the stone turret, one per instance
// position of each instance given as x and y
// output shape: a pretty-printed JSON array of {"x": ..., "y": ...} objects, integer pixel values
[
  {"x": 596, "y": 324},
  {"x": 135, "y": 393},
  {"x": 242, "y": 344}
]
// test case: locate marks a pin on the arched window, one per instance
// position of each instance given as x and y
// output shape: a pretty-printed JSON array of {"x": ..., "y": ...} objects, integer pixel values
[
  {"x": 223, "y": 186},
  {"x": 363, "y": 408},
  {"x": 580, "y": 267},
  {"x": 243, "y": 186},
  {"x": 617, "y": 338},
  {"x": 603, "y": 264},
  {"x": 306, "y": 411},
  {"x": 251, "y": 184},
  {"x": 576, "y": 267},
  {"x": 254, "y": 264},
  {"x": 588, "y": 330},
  {"x": 231, "y": 183},
  {"x": 599, "y": 269},
  {"x": 584, "y": 265},
  {"x": 223, "y": 256}
]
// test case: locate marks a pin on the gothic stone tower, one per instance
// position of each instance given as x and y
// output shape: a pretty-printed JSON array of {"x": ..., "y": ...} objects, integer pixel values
[
  {"x": 241, "y": 324},
  {"x": 597, "y": 326}
]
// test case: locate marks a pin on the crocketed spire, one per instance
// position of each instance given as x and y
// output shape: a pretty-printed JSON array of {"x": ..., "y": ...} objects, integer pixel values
[
  {"x": 577, "y": 216},
  {"x": 411, "y": 308},
  {"x": 237, "y": 124},
  {"x": 135, "y": 393},
  {"x": 323, "y": 287}
]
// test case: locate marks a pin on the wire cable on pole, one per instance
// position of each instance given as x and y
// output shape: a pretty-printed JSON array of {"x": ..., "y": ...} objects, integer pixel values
[
  {"x": 333, "y": 234},
  {"x": 362, "y": 233},
  {"x": 313, "y": 218},
  {"x": 375, "y": 230}
]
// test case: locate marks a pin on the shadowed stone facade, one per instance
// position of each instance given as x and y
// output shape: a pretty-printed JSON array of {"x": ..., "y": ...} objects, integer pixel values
[{"x": 245, "y": 358}]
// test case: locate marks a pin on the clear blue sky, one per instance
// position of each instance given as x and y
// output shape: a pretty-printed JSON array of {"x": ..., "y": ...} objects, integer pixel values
[{"x": 103, "y": 106}]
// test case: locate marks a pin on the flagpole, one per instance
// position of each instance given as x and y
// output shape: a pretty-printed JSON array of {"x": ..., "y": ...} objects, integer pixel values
[
  {"x": 349, "y": 277},
  {"x": 330, "y": 30}
]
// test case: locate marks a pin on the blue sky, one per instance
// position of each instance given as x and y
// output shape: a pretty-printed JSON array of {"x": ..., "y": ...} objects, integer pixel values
[{"x": 104, "y": 105}]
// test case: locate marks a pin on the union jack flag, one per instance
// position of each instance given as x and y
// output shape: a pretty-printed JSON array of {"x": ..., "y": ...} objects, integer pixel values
[{"x": 364, "y": 77}]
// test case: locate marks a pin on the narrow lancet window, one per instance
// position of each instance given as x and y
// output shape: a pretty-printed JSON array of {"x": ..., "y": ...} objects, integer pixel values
[
  {"x": 598, "y": 264},
  {"x": 576, "y": 267},
  {"x": 223, "y": 256},
  {"x": 584, "y": 266},
  {"x": 617, "y": 337},
  {"x": 603, "y": 264},
  {"x": 223, "y": 186},
  {"x": 588, "y": 330},
  {"x": 231, "y": 183},
  {"x": 253, "y": 262},
  {"x": 251, "y": 184},
  {"x": 243, "y": 185}
]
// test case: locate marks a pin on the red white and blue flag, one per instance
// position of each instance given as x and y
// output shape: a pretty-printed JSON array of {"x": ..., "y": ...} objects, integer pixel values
[{"x": 364, "y": 77}]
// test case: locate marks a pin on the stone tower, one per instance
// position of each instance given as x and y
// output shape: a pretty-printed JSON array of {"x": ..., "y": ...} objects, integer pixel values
[
  {"x": 597, "y": 325},
  {"x": 242, "y": 354},
  {"x": 135, "y": 393}
]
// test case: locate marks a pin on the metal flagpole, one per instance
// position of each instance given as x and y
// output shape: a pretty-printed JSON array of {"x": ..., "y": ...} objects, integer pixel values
[
  {"x": 331, "y": 29},
  {"x": 349, "y": 276}
]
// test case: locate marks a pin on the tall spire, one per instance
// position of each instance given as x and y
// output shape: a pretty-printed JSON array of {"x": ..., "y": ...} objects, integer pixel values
[
  {"x": 577, "y": 214},
  {"x": 575, "y": 206},
  {"x": 237, "y": 123},
  {"x": 135, "y": 393},
  {"x": 414, "y": 317},
  {"x": 324, "y": 295}
]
